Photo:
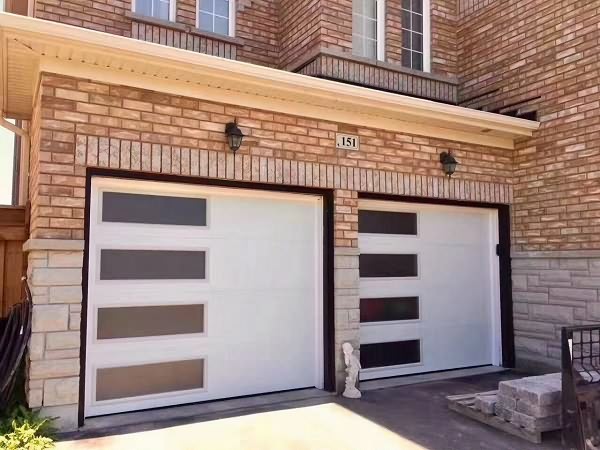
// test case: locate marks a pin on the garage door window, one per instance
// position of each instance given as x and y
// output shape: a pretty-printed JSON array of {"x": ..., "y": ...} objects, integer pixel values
[
  {"x": 385, "y": 354},
  {"x": 152, "y": 265},
  {"x": 144, "y": 321},
  {"x": 147, "y": 379},
  {"x": 153, "y": 209},
  {"x": 384, "y": 266},
  {"x": 387, "y": 222},
  {"x": 389, "y": 309}
]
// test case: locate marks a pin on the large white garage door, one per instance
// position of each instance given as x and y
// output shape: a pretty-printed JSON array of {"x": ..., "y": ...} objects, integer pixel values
[
  {"x": 429, "y": 288},
  {"x": 199, "y": 293}
]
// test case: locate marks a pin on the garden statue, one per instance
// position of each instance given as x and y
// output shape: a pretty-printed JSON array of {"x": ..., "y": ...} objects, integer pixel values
[{"x": 352, "y": 369}]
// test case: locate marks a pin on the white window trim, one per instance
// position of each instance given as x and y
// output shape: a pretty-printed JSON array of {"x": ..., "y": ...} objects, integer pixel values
[
  {"x": 426, "y": 35},
  {"x": 381, "y": 30},
  {"x": 231, "y": 17},
  {"x": 172, "y": 10}
]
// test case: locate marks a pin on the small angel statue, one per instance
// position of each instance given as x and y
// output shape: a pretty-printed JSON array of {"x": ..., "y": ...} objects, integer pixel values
[{"x": 352, "y": 369}]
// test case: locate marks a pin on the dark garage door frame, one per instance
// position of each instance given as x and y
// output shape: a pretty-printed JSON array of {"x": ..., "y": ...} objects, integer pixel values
[
  {"x": 328, "y": 252},
  {"x": 502, "y": 250}
]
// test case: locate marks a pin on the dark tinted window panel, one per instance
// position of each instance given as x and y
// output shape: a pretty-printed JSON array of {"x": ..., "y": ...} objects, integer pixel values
[
  {"x": 385, "y": 266},
  {"x": 385, "y": 354},
  {"x": 417, "y": 6},
  {"x": 147, "y": 379},
  {"x": 417, "y": 23},
  {"x": 417, "y": 43},
  {"x": 152, "y": 265},
  {"x": 153, "y": 209},
  {"x": 142, "y": 321},
  {"x": 387, "y": 222},
  {"x": 388, "y": 309},
  {"x": 417, "y": 61},
  {"x": 406, "y": 58}
]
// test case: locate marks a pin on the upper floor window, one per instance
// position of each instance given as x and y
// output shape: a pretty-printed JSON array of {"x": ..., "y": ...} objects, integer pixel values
[
  {"x": 216, "y": 16},
  {"x": 159, "y": 9},
  {"x": 415, "y": 34},
  {"x": 368, "y": 29}
]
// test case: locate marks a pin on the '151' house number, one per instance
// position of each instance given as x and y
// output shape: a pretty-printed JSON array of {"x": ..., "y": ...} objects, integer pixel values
[{"x": 346, "y": 141}]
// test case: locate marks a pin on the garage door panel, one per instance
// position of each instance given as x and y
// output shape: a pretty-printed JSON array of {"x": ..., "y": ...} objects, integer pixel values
[
  {"x": 390, "y": 287},
  {"x": 372, "y": 333},
  {"x": 455, "y": 285},
  {"x": 148, "y": 292},
  {"x": 229, "y": 264},
  {"x": 249, "y": 288},
  {"x": 387, "y": 244}
]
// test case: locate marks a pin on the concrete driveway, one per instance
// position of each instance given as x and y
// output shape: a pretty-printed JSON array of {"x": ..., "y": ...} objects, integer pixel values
[{"x": 407, "y": 417}]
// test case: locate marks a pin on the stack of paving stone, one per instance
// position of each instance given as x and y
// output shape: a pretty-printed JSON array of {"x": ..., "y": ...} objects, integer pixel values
[{"x": 532, "y": 403}]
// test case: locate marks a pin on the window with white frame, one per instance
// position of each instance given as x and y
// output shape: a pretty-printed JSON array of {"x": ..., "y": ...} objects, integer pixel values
[
  {"x": 216, "y": 16},
  {"x": 158, "y": 9},
  {"x": 415, "y": 34},
  {"x": 368, "y": 28}
]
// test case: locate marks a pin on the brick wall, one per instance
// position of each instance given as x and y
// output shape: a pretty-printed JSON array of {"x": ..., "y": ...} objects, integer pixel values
[
  {"x": 72, "y": 107},
  {"x": 300, "y": 30},
  {"x": 78, "y": 124},
  {"x": 256, "y": 22},
  {"x": 336, "y": 25},
  {"x": 546, "y": 57},
  {"x": 444, "y": 44},
  {"x": 257, "y": 26},
  {"x": 102, "y": 15},
  {"x": 270, "y": 33}
]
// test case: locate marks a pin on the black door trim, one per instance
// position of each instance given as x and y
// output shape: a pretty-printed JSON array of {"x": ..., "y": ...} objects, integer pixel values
[
  {"x": 506, "y": 304},
  {"x": 328, "y": 258}
]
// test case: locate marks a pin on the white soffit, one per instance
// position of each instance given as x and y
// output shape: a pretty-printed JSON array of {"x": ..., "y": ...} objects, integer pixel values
[{"x": 31, "y": 46}]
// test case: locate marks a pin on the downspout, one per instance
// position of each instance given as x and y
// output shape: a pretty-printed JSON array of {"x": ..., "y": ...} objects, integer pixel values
[{"x": 24, "y": 158}]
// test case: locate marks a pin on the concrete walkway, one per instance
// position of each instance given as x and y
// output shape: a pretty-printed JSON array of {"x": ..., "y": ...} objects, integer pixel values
[{"x": 407, "y": 417}]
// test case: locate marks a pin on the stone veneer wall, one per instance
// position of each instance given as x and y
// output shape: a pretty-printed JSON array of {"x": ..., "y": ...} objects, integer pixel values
[
  {"x": 550, "y": 290},
  {"x": 54, "y": 275}
]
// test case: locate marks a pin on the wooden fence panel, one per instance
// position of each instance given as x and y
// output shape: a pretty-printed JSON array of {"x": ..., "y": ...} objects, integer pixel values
[{"x": 13, "y": 233}]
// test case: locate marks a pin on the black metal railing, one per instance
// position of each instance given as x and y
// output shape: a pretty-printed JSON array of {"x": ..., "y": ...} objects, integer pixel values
[
  {"x": 13, "y": 341},
  {"x": 581, "y": 387}
]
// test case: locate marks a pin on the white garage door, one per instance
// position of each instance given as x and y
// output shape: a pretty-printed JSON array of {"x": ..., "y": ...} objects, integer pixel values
[
  {"x": 429, "y": 288},
  {"x": 199, "y": 293}
]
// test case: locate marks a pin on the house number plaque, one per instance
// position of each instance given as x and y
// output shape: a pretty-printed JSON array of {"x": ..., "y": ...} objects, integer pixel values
[{"x": 347, "y": 141}]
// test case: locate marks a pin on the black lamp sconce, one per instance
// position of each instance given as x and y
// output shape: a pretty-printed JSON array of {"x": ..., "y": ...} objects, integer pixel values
[
  {"x": 234, "y": 136},
  {"x": 449, "y": 163}
]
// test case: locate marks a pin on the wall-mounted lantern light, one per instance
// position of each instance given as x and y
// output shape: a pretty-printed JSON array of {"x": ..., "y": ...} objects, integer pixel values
[
  {"x": 234, "y": 136},
  {"x": 449, "y": 163}
]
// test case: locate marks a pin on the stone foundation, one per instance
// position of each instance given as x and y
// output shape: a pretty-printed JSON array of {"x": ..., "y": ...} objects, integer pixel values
[
  {"x": 552, "y": 290},
  {"x": 54, "y": 275}
]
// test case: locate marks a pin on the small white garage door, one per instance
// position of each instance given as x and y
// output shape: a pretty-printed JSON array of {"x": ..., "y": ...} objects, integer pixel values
[
  {"x": 429, "y": 288},
  {"x": 199, "y": 293}
]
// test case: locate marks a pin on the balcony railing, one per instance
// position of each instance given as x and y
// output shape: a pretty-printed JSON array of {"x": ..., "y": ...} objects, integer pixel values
[{"x": 380, "y": 75}]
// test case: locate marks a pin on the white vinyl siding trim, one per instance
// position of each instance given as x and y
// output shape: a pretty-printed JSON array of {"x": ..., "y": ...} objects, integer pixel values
[
  {"x": 207, "y": 9},
  {"x": 368, "y": 29},
  {"x": 151, "y": 8}
]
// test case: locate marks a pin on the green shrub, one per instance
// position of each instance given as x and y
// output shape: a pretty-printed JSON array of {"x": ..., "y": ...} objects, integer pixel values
[{"x": 24, "y": 429}]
